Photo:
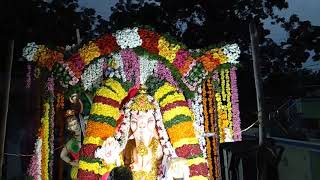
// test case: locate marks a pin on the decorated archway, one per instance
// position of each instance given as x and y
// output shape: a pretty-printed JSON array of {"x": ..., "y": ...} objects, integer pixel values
[{"x": 196, "y": 91}]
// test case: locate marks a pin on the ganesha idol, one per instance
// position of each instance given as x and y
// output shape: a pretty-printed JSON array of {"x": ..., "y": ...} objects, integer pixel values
[{"x": 136, "y": 143}]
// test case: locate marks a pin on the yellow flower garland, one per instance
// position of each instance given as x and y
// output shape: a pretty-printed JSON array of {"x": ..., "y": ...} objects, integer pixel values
[
  {"x": 93, "y": 140},
  {"x": 170, "y": 114},
  {"x": 166, "y": 88},
  {"x": 218, "y": 53},
  {"x": 106, "y": 92},
  {"x": 117, "y": 87},
  {"x": 198, "y": 178},
  {"x": 100, "y": 109},
  {"x": 45, "y": 142},
  {"x": 229, "y": 108},
  {"x": 167, "y": 50},
  {"x": 172, "y": 98},
  {"x": 185, "y": 141},
  {"x": 89, "y": 52},
  {"x": 196, "y": 161}
]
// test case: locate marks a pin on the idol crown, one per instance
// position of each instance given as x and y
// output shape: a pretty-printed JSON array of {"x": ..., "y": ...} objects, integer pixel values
[{"x": 141, "y": 102}]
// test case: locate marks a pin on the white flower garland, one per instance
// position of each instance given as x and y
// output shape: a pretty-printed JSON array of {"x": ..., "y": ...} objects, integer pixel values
[
  {"x": 232, "y": 51},
  {"x": 198, "y": 124},
  {"x": 147, "y": 67},
  {"x": 119, "y": 66},
  {"x": 39, "y": 156},
  {"x": 93, "y": 75},
  {"x": 128, "y": 38},
  {"x": 29, "y": 51},
  {"x": 228, "y": 135}
]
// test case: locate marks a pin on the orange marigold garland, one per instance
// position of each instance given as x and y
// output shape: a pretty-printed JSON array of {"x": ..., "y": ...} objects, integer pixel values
[{"x": 206, "y": 125}]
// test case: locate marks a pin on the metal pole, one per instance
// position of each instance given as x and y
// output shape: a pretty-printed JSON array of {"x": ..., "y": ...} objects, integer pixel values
[
  {"x": 262, "y": 174},
  {"x": 6, "y": 102},
  {"x": 257, "y": 79}
]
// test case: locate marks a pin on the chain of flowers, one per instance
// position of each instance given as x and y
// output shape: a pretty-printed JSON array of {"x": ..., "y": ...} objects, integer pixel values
[
  {"x": 132, "y": 38},
  {"x": 229, "y": 132},
  {"x": 147, "y": 68},
  {"x": 197, "y": 108},
  {"x": 164, "y": 73},
  {"x": 34, "y": 169},
  {"x": 101, "y": 125},
  {"x": 206, "y": 123},
  {"x": 215, "y": 141},
  {"x": 119, "y": 66},
  {"x": 223, "y": 85},
  {"x": 45, "y": 133},
  {"x": 28, "y": 76},
  {"x": 93, "y": 75},
  {"x": 60, "y": 101},
  {"x": 235, "y": 105},
  {"x": 51, "y": 128},
  {"x": 131, "y": 65}
]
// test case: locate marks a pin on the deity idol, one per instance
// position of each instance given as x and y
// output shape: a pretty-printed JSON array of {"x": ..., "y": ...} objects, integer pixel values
[
  {"x": 137, "y": 143},
  {"x": 143, "y": 152}
]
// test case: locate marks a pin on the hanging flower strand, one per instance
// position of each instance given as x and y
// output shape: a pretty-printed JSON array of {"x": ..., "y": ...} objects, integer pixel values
[{"x": 235, "y": 105}]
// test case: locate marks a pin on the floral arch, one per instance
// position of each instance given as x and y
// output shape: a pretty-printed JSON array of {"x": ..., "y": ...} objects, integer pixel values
[{"x": 196, "y": 91}]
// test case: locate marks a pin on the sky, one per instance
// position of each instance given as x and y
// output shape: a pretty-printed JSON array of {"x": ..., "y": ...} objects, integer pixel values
[{"x": 307, "y": 10}]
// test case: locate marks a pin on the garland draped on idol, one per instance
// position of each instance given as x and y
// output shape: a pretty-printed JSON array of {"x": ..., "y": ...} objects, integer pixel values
[{"x": 196, "y": 92}]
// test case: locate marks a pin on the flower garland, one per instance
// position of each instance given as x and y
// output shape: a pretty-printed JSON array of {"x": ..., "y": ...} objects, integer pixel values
[
  {"x": 89, "y": 52},
  {"x": 28, "y": 76},
  {"x": 162, "y": 72},
  {"x": 60, "y": 101},
  {"x": 146, "y": 67},
  {"x": 232, "y": 51},
  {"x": 167, "y": 50},
  {"x": 92, "y": 76},
  {"x": 41, "y": 164},
  {"x": 107, "y": 44},
  {"x": 180, "y": 59},
  {"x": 131, "y": 65},
  {"x": 224, "y": 107},
  {"x": 178, "y": 120},
  {"x": 34, "y": 169},
  {"x": 101, "y": 125},
  {"x": 51, "y": 129},
  {"x": 128, "y": 38},
  {"x": 29, "y": 51},
  {"x": 229, "y": 132},
  {"x": 197, "y": 108},
  {"x": 119, "y": 66},
  {"x": 207, "y": 129},
  {"x": 235, "y": 105},
  {"x": 149, "y": 40}
]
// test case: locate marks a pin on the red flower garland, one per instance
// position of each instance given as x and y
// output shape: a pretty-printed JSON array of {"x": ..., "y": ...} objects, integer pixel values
[
  {"x": 107, "y": 44},
  {"x": 188, "y": 151},
  {"x": 87, "y": 150},
  {"x": 149, "y": 40}
]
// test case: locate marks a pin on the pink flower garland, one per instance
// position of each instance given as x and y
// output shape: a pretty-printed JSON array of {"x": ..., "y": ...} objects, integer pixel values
[
  {"x": 50, "y": 84},
  {"x": 33, "y": 166},
  {"x": 131, "y": 65},
  {"x": 28, "y": 76},
  {"x": 181, "y": 57},
  {"x": 164, "y": 73},
  {"x": 51, "y": 136},
  {"x": 235, "y": 105}
]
